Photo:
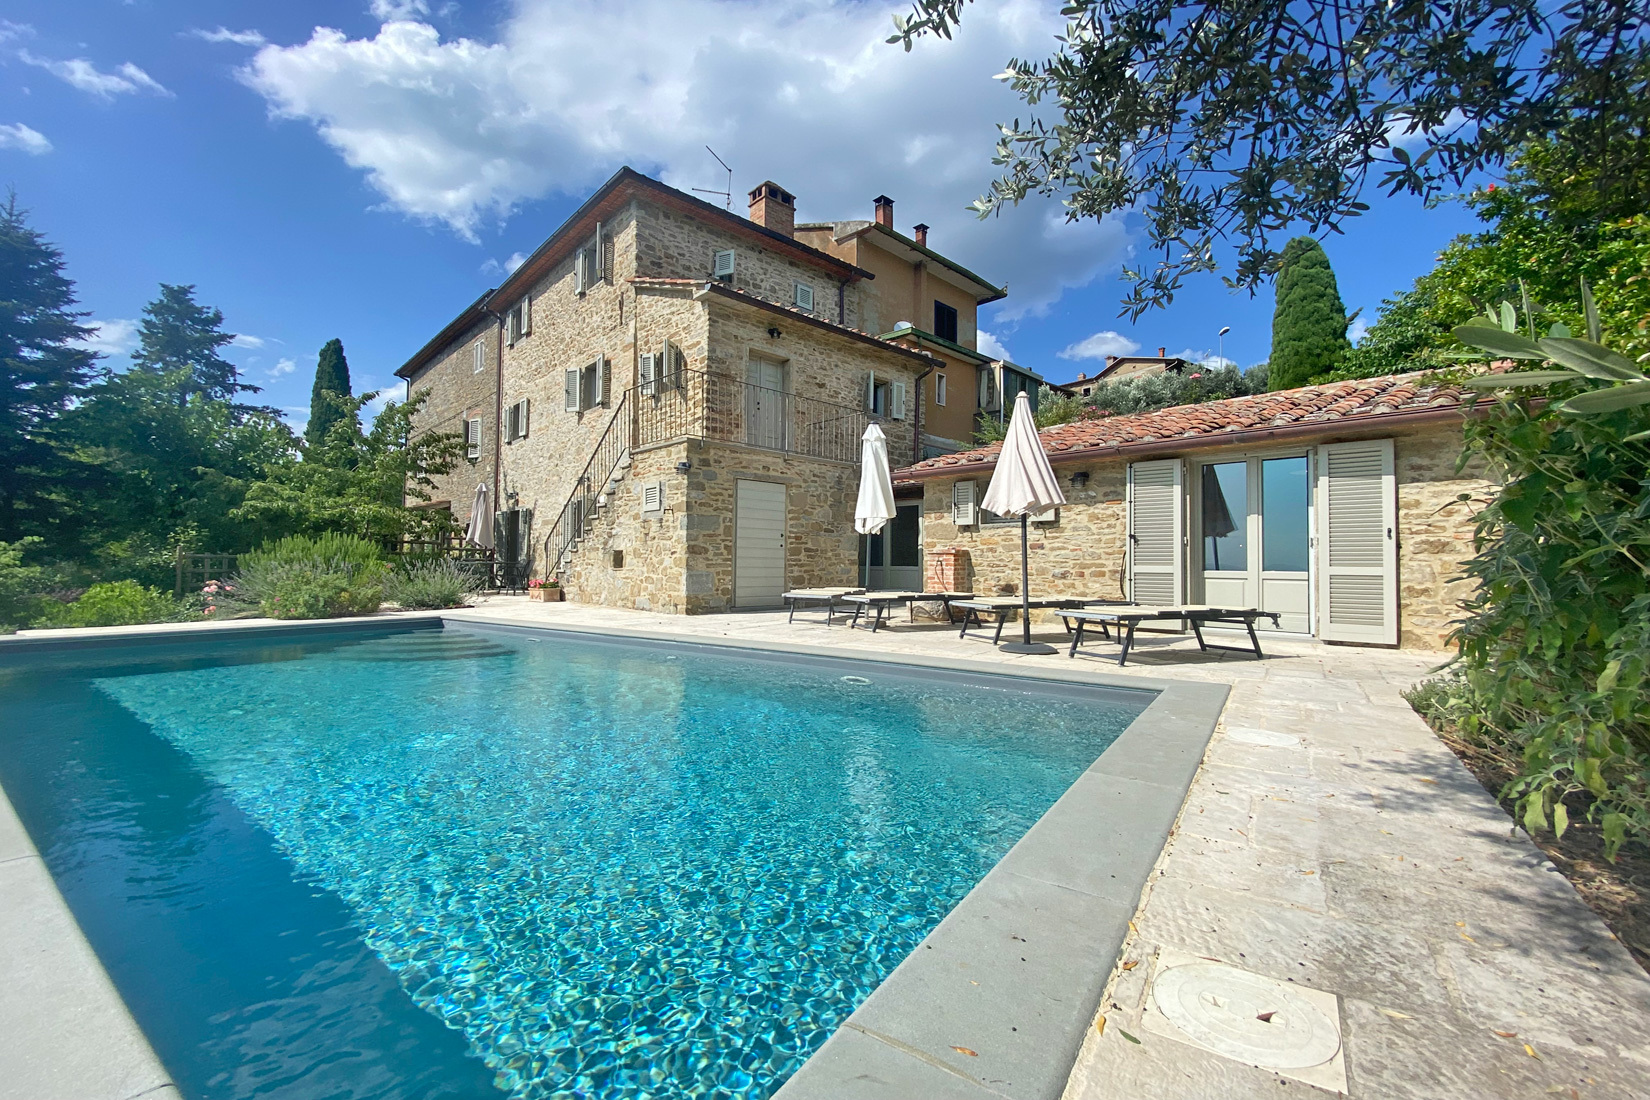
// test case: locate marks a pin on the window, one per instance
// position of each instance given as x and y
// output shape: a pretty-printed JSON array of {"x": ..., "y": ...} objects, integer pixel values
[
  {"x": 945, "y": 322},
  {"x": 586, "y": 386},
  {"x": 662, "y": 371},
  {"x": 939, "y": 389},
  {"x": 989, "y": 399},
  {"x": 472, "y": 438},
  {"x": 965, "y": 509},
  {"x": 479, "y": 354},
  {"x": 515, "y": 421},
  {"x": 884, "y": 397},
  {"x": 518, "y": 320},
  {"x": 721, "y": 265},
  {"x": 804, "y": 297},
  {"x": 653, "y": 497}
]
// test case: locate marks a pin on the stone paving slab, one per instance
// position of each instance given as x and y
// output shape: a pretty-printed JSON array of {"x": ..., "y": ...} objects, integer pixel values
[{"x": 1362, "y": 860}]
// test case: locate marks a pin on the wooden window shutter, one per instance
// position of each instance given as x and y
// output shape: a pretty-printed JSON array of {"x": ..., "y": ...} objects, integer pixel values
[
  {"x": 598, "y": 268},
  {"x": 480, "y": 356},
  {"x": 510, "y": 415},
  {"x": 804, "y": 297},
  {"x": 574, "y": 390},
  {"x": 653, "y": 497},
  {"x": 1156, "y": 548},
  {"x": 604, "y": 380},
  {"x": 581, "y": 267},
  {"x": 722, "y": 265},
  {"x": 896, "y": 401},
  {"x": 526, "y": 314},
  {"x": 1358, "y": 548},
  {"x": 647, "y": 374},
  {"x": 965, "y": 506},
  {"x": 526, "y": 414},
  {"x": 871, "y": 392},
  {"x": 472, "y": 437}
]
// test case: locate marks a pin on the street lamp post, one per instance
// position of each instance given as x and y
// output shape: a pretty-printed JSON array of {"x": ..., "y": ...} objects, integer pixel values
[{"x": 1221, "y": 343}]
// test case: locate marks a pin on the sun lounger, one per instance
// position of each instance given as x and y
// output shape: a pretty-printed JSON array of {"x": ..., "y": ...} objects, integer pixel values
[
  {"x": 1126, "y": 617},
  {"x": 880, "y": 603},
  {"x": 1004, "y": 606},
  {"x": 812, "y": 597}
]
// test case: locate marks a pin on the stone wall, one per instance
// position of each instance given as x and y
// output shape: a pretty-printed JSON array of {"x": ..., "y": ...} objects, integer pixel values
[
  {"x": 676, "y": 246},
  {"x": 1084, "y": 553},
  {"x": 458, "y": 391},
  {"x": 635, "y": 558}
]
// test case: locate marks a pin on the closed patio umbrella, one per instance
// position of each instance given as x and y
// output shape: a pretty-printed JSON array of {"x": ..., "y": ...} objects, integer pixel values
[
  {"x": 1023, "y": 484},
  {"x": 480, "y": 530},
  {"x": 876, "y": 485}
]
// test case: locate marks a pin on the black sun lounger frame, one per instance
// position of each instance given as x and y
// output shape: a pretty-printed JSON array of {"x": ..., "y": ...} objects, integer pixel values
[{"x": 1126, "y": 619}]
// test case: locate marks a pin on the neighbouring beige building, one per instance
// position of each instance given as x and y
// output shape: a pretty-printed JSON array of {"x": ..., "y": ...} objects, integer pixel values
[
  {"x": 666, "y": 399},
  {"x": 1338, "y": 506}
]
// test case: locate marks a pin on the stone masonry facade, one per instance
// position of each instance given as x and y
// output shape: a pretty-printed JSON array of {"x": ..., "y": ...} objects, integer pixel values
[
  {"x": 457, "y": 391},
  {"x": 1083, "y": 554}
]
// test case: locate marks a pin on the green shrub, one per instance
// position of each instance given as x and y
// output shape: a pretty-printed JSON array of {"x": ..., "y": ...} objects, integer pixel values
[
  {"x": 1555, "y": 645},
  {"x": 308, "y": 578},
  {"x": 429, "y": 585},
  {"x": 20, "y": 586},
  {"x": 116, "y": 603}
]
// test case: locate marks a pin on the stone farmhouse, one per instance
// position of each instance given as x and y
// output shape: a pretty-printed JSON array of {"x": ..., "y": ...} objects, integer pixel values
[
  {"x": 666, "y": 400},
  {"x": 1339, "y": 506}
]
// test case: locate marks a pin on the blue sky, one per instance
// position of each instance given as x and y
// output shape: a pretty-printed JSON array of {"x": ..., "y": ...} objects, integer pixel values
[{"x": 363, "y": 169}]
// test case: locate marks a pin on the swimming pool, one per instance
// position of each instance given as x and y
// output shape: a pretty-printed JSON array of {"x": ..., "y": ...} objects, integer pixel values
[{"x": 459, "y": 862}]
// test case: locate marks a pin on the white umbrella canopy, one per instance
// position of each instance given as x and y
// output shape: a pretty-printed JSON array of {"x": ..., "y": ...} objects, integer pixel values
[
  {"x": 876, "y": 485},
  {"x": 1023, "y": 484},
  {"x": 480, "y": 530}
]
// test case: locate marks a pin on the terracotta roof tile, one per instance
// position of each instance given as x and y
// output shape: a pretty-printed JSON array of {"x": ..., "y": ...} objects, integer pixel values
[{"x": 1327, "y": 403}]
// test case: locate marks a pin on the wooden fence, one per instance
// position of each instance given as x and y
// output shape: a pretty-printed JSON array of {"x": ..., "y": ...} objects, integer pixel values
[{"x": 194, "y": 570}]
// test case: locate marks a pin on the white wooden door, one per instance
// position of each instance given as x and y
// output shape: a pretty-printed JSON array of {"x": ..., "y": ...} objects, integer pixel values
[
  {"x": 767, "y": 405},
  {"x": 1156, "y": 560},
  {"x": 1357, "y": 544},
  {"x": 758, "y": 544}
]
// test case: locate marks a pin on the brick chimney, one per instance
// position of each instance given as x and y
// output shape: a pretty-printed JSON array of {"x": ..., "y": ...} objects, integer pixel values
[
  {"x": 773, "y": 207},
  {"x": 885, "y": 210},
  {"x": 920, "y": 232},
  {"x": 1162, "y": 353}
]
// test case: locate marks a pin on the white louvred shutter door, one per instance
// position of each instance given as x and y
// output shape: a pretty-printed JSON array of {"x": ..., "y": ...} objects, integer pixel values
[
  {"x": 480, "y": 353},
  {"x": 572, "y": 390},
  {"x": 647, "y": 374},
  {"x": 581, "y": 264},
  {"x": 896, "y": 401},
  {"x": 1156, "y": 556},
  {"x": 597, "y": 256},
  {"x": 871, "y": 392},
  {"x": 509, "y": 424},
  {"x": 1357, "y": 544},
  {"x": 526, "y": 414},
  {"x": 526, "y": 314}
]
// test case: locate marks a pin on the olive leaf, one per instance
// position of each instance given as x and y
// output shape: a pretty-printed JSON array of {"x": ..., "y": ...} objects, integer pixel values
[
  {"x": 1519, "y": 378},
  {"x": 1612, "y": 399},
  {"x": 1499, "y": 342},
  {"x": 1593, "y": 360}
]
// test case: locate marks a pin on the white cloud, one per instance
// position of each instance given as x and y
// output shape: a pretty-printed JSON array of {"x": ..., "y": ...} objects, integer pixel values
[
  {"x": 112, "y": 337},
  {"x": 494, "y": 267},
  {"x": 224, "y": 34},
  {"x": 391, "y": 10},
  {"x": 990, "y": 345},
  {"x": 462, "y": 131},
  {"x": 1360, "y": 326},
  {"x": 10, "y": 30},
  {"x": 282, "y": 366},
  {"x": 1100, "y": 345},
  {"x": 128, "y": 79},
  {"x": 246, "y": 340},
  {"x": 15, "y": 135},
  {"x": 1205, "y": 358}
]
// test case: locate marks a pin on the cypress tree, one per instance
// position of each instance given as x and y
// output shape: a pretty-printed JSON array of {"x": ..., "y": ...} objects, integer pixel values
[
  {"x": 42, "y": 366},
  {"x": 1309, "y": 321},
  {"x": 331, "y": 383}
]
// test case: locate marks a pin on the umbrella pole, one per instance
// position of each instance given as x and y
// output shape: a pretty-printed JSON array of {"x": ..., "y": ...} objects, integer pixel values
[{"x": 1026, "y": 645}]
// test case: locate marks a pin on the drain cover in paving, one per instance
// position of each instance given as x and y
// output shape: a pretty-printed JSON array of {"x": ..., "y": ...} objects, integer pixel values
[{"x": 1249, "y": 1018}]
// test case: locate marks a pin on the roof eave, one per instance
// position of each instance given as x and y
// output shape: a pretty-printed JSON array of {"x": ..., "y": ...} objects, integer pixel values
[
  {"x": 1180, "y": 443},
  {"x": 992, "y": 293},
  {"x": 472, "y": 313}
]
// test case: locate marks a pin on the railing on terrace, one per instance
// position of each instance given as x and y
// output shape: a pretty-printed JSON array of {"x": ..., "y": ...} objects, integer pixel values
[
  {"x": 580, "y": 510},
  {"x": 702, "y": 405}
]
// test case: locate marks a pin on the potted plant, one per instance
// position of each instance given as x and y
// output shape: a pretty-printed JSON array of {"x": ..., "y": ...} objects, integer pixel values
[{"x": 547, "y": 590}]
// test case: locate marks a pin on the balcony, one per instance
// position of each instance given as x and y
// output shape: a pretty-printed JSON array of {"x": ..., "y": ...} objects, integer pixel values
[{"x": 718, "y": 407}]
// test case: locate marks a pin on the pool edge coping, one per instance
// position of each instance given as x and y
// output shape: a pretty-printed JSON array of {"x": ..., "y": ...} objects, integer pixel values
[
  {"x": 884, "y": 1049},
  {"x": 912, "y": 1035}
]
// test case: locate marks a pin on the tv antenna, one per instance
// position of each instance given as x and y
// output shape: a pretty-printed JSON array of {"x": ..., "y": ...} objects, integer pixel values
[{"x": 726, "y": 195}]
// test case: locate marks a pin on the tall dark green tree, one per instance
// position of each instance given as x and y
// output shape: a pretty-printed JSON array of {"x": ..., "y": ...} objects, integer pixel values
[
  {"x": 328, "y": 397},
  {"x": 1309, "y": 321},
  {"x": 42, "y": 366},
  {"x": 179, "y": 340}
]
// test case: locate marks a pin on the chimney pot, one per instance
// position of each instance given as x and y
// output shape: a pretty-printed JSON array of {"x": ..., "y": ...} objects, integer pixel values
[
  {"x": 773, "y": 207},
  {"x": 1162, "y": 353},
  {"x": 885, "y": 211},
  {"x": 920, "y": 232}
]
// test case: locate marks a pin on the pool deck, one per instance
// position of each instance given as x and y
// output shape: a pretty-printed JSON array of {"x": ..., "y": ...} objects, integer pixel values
[{"x": 1327, "y": 840}]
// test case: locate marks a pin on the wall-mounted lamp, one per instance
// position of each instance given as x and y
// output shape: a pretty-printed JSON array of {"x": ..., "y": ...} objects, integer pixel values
[
  {"x": 775, "y": 333},
  {"x": 1079, "y": 479},
  {"x": 683, "y": 467}
]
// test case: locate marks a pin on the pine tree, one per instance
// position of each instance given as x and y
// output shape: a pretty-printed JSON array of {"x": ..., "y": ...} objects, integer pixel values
[
  {"x": 179, "y": 339},
  {"x": 42, "y": 366},
  {"x": 1309, "y": 322},
  {"x": 331, "y": 384}
]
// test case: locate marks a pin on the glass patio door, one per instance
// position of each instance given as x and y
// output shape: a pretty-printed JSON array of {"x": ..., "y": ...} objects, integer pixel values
[
  {"x": 1255, "y": 539},
  {"x": 891, "y": 559}
]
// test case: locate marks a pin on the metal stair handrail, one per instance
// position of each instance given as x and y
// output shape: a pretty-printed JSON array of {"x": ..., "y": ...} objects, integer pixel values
[{"x": 580, "y": 509}]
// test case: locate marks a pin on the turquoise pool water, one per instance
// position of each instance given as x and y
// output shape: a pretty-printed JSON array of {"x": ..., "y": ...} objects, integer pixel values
[{"x": 456, "y": 863}]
